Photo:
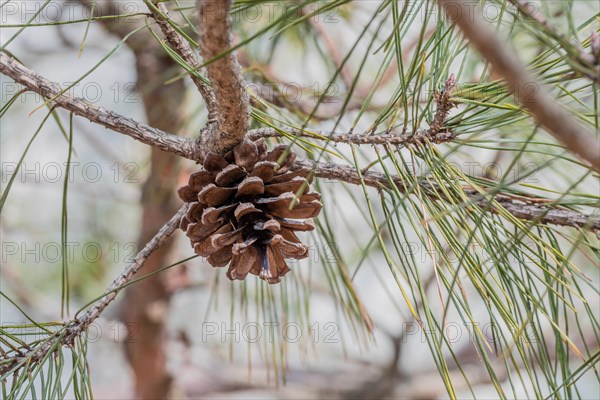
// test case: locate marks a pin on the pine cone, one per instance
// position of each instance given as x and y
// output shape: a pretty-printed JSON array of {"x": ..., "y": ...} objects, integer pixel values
[{"x": 240, "y": 210}]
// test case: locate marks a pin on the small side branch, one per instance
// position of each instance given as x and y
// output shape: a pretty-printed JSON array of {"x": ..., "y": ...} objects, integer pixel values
[
  {"x": 118, "y": 123},
  {"x": 224, "y": 73},
  {"x": 435, "y": 134},
  {"x": 76, "y": 327},
  {"x": 547, "y": 112},
  {"x": 444, "y": 105},
  {"x": 419, "y": 137}
]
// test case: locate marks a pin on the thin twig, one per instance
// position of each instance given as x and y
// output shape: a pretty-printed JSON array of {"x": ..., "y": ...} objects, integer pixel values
[
  {"x": 182, "y": 47},
  {"x": 77, "y": 326},
  {"x": 420, "y": 137},
  {"x": 580, "y": 55},
  {"x": 547, "y": 112},
  {"x": 224, "y": 73},
  {"x": 444, "y": 105}
]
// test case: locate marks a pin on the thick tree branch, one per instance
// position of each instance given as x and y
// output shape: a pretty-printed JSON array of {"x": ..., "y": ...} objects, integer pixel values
[
  {"x": 182, "y": 47},
  {"x": 548, "y": 215},
  {"x": 118, "y": 123},
  {"x": 79, "y": 325},
  {"x": 547, "y": 112},
  {"x": 224, "y": 72}
]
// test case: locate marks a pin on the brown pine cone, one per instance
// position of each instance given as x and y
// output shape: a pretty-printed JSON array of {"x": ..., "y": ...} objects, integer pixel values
[{"x": 240, "y": 210}]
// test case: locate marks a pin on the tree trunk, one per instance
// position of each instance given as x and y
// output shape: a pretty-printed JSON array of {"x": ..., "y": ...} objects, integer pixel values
[{"x": 145, "y": 302}]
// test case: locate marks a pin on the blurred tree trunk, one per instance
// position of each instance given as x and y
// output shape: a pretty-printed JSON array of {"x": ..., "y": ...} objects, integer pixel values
[{"x": 145, "y": 302}]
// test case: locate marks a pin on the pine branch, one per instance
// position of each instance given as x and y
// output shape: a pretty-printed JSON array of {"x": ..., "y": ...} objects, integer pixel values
[
  {"x": 547, "y": 112},
  {"x": 118, "y": 123},
  {"x": 224, "y": 73},
  {"x": 77, "y": 326},
  {"x": 186, "y": 147},
  {"x": 547, "y": 215},
  {"x": 229, "y": 123},
  {"x": 182, "y": 47}
]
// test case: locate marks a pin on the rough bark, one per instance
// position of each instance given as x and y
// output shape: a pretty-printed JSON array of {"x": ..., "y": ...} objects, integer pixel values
[
  {"x": 224, "y": 73},
  {"x": 184, "y": 49}
]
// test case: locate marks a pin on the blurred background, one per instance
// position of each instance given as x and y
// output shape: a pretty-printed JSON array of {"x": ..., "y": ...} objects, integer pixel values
[{"x": 339, "y": 325}]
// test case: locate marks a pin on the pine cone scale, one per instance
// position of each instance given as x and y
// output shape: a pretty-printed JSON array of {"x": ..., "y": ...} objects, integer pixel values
[
  {"x": 291, "y": 175},
  {"x": 213, "y": 215},
  {"x": 214, "y": 163},
  {"x": 250, "y": 186},
  {"x": 242, "y": 265},
  {"x": 221, "y": 258},
  {"x": 226, "y": 239},
  {"x": 212, "y": 195},
  {"x": 198, "y": 232},
  {"x": 275, "y": 189},
  {"x": 200, "y": 179},
  {"x": 244, "y": 209},
  {"x": 296, "y": 225},
  {"x": 194, "y": 213},
  {"x": 239, "y": 248},
  {"x": 270, "y": 225},
  {"x": 230, "y": 174},
  {"x": 265, "y": 170}
]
